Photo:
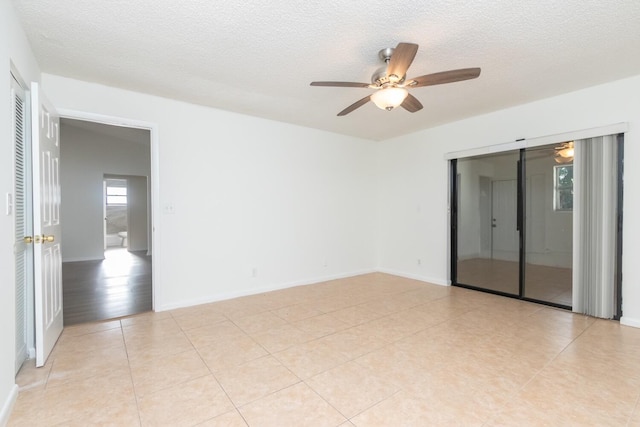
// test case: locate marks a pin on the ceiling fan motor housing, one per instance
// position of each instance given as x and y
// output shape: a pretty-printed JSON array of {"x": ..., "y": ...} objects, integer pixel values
[{"x": 380, "y": 77}]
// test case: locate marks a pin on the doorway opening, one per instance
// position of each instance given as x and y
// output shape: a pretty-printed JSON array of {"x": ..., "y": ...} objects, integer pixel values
[
  {"x": 107, "y": 230},
  {"x": 116, "y": 222}
]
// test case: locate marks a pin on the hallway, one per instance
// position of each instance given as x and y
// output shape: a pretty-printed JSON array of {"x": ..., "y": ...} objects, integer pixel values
[{"x": 119, "y": 285}]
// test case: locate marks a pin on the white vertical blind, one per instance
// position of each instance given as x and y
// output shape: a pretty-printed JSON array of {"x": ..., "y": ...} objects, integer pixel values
[{"x": 594, "y": 226}]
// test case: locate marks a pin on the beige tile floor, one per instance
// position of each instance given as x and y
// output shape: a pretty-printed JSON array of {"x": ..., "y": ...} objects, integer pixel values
[{"x": 372, "y": 350}]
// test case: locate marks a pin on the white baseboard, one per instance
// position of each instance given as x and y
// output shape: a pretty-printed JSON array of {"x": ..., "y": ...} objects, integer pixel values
[
  {"x": 419, "y": 277},
  {"x": 230, "y": 295},
  {"x": 7, "y": 406},
  {"x": 91, "y": 258},
  {"x": 630, "y": 322},
  {"x": 254, "y": 291}
]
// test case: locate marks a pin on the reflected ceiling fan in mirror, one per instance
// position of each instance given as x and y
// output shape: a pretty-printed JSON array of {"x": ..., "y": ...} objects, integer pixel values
[
  {"x": 390, "y": 83},
  {"x": 564, "y": 153}
]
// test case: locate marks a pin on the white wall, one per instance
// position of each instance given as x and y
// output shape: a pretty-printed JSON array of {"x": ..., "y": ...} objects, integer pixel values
[
  {"x": 295, "y": 204},
  {"x": 413, "y": 176},
  {"x": 85, "y": 158},
  {"x": 15, "y": 49}
]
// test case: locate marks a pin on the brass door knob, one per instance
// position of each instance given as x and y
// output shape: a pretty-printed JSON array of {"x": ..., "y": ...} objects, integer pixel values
[
  {"x": 28, "y": 240},
  {"x": 44, "y": 239}
]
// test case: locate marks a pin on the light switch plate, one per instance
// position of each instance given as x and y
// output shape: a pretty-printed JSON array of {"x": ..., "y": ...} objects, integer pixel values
[{"x": 168, "y": 208}]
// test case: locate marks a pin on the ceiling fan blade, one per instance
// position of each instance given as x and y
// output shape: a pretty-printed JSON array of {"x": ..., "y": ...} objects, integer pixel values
[
  {"x": 445, "y": 77},
  {"x": 411, "y": 104},
  {"x": 340, "y": 84},
  {"x": 355, "y": 105},
  {"x": 401, "y": 59}
]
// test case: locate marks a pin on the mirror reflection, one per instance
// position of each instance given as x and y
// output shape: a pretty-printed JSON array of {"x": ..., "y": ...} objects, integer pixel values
[{"x": 488, "y": 243}]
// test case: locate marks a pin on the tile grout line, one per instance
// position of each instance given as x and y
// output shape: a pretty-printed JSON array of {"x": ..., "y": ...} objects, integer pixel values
[
  {"x": 555, "y": 357},
  {"x": 635, "y": 409},
  {"x": 213, "y": 375},
  {"x": 133, "y": 387},
  {"x": 328, "y": 403}
]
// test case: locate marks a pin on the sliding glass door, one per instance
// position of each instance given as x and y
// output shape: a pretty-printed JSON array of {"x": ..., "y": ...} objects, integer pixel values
[
  {"x": 487, "y": 241},
  {"x": 513, "y": 224},
  {"x": 548, "y": 224}
]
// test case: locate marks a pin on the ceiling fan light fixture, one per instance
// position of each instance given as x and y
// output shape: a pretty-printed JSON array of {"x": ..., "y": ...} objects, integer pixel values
[
  {"x": 389, "y": 97},
  {"x": 565, "y": 152}
]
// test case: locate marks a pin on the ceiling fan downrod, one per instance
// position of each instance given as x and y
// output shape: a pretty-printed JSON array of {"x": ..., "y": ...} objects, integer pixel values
[{"x": 380, "y": 78}]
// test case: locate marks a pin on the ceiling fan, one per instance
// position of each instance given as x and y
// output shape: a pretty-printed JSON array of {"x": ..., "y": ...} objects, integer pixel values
[{"x": 390, "y": 82}]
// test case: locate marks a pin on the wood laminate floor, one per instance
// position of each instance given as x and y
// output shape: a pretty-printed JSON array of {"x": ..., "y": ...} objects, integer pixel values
[{"x": 119, "y": 285}]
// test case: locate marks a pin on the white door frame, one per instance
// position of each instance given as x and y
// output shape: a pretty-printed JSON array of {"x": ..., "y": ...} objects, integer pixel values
[
  {"x": 104, "y": 214},
  {"x": 155, "y": 182}
]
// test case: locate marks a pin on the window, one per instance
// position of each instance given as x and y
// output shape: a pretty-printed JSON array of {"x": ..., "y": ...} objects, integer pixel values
[
  {"x": 563, "y": 190},
  {"x": 116, "y": 196}
]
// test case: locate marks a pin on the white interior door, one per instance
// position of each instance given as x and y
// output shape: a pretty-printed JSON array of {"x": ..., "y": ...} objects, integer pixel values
[
  {"x": 46, "y": 224},
  {"x": 505, "y": 239},
  {"x": 485, "y": 216}
]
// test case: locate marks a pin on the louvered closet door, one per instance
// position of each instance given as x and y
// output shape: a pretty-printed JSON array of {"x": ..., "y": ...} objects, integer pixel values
[{"x": 22, "y": 228}]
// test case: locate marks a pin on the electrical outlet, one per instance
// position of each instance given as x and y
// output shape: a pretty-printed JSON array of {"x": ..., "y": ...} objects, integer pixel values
[
  {"x": 419, "y": 261},
  {"x": 254, "y": 272}
]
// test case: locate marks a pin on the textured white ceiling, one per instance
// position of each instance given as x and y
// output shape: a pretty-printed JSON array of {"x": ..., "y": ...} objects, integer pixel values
[{"x": 258, "y": 57}]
